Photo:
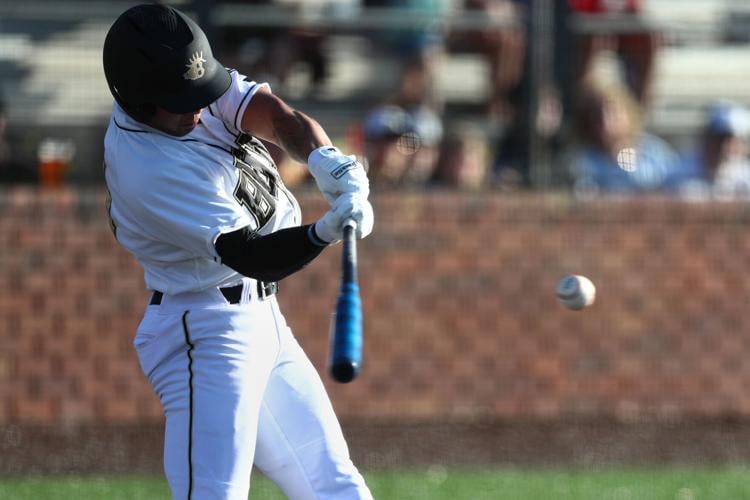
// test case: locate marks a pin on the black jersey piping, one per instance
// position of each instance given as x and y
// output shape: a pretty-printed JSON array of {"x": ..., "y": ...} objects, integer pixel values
[
  {"x": 190, "y": 408},
  {"x": 228, "y": 151},
  {"x": 136, "y": 130},
  {"x": 239, "y": 107},
  {"x": 229, "y": 131},
  {"x": 140, "y": 131}
]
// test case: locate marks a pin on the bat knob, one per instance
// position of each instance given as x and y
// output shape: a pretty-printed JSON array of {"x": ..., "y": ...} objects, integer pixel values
[{"x": 345, "y": 371}]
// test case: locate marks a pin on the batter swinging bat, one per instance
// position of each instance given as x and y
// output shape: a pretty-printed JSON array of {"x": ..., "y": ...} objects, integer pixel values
[{"x": 346, "y": 341}]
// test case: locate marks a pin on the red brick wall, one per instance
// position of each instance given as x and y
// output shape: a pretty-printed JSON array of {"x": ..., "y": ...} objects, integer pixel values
[{"x": 460, "y": 315}]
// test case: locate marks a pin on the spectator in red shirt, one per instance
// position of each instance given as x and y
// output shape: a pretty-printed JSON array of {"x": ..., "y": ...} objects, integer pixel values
[
  {"x": 636, "y": 48},
  {"x": 606, "y": 6}
]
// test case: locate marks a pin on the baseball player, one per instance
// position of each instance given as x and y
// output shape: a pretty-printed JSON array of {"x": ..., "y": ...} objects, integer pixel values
[{"x": 196, "y": 197}]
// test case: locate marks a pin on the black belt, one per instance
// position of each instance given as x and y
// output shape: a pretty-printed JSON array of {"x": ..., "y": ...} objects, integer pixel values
[{"x": 233, "y": 294}]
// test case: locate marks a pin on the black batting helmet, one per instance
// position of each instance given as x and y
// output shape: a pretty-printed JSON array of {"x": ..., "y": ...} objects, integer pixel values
[{"x": 154, "y": 55}]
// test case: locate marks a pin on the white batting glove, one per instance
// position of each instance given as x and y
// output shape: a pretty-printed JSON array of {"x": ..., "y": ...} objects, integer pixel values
[
  {"x": 335, "y": 173},
  {"x": 330, "y": 227}
]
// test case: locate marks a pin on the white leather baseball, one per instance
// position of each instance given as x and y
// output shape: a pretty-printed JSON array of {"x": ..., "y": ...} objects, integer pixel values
[{"x": 576, "y": 292}]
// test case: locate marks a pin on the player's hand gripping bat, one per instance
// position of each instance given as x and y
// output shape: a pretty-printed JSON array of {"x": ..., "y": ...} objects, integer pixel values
[{"x": 346, "y": 337}]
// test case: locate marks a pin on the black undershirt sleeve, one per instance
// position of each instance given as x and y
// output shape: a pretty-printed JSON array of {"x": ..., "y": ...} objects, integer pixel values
[{"x": 269, "y": 257}]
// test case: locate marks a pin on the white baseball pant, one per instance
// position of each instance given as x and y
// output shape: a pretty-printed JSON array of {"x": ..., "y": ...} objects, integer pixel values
[{"x": 237, "y": 390}]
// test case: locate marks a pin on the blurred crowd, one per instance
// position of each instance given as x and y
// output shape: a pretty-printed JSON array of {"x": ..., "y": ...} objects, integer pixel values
[
  {"x": 595, "y": 127},
  {"x": 12, "y": 169}
]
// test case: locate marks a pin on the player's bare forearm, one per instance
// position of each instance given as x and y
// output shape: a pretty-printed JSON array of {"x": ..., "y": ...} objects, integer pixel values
[
  {"x": 270, "y": 118},
  {"x": 299, "y": 135}
]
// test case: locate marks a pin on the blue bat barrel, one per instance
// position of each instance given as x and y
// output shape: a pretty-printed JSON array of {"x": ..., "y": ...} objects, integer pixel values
[{"x": 346, "y": 341}]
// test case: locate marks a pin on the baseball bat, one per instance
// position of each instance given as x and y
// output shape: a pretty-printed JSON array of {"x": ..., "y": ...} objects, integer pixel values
[{"x": 346, "y": 341}]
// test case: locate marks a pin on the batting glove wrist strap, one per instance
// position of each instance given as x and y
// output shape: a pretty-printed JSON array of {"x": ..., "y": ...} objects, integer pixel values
[
  {"x": 330, "y": 227},
  {"x": 336, "y": 173},
  {"x": 312, "y": 234}
]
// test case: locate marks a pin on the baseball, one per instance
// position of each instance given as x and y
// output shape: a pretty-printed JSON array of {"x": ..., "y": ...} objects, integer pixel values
[{"x": 576, "y": 292}]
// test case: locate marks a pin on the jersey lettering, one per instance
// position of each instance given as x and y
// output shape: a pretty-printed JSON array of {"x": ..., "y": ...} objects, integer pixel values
[{"x": 258, "y": 183}]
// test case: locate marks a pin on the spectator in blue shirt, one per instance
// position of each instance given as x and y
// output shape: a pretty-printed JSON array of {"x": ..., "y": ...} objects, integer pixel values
[
  {"x": 614, "y": 154},
  {"x": 717, "y": 167}
]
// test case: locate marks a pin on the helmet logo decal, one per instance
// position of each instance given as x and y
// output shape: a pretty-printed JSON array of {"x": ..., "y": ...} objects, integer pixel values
[{"x": 195, "y": 67}]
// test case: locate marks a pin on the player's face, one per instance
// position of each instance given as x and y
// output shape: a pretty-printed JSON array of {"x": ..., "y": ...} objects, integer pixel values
[{"x": 174, "y": 123}]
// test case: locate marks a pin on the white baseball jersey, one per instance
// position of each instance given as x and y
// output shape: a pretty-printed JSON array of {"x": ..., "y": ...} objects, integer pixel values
[
  {"x": 169, "y": 203},
  {"x": 236, "y": 387}
]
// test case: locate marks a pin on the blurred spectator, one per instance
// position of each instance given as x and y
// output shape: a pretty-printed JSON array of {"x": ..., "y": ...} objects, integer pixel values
[
  {"x": 463, "y": 161},
  {"x": 418, "y": 49},
  {"x": 635, "y": 48},
  {"x": 402, "y": 144},
  {"x": 503, "y": 48},
  {"x": 12, "y": 171},
  {"x": 268, "y": 53},
  {"x": 402, "y": 133},
  {"x": 614, "y": 154},
  {"x": 519, "y": 104},
  {"x": 4, "y": 145},
  {"x": 718, "y": 166}
]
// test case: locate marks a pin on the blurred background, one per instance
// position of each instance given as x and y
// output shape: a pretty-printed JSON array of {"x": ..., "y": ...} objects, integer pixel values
[{"x": 509, "y": 143}]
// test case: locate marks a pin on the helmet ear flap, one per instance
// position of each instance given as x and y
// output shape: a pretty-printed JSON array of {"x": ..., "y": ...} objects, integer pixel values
[{"x": 143, "y": 112}]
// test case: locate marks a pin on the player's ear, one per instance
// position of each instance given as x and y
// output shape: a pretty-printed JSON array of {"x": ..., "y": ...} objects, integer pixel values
[{"x": 144, "y": 113}]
